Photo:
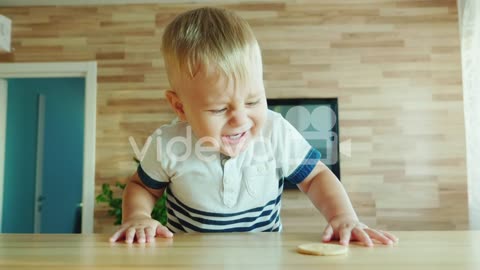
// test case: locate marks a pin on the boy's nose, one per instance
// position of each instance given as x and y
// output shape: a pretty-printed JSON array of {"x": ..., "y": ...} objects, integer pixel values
[{"x": 238, "y": 118}]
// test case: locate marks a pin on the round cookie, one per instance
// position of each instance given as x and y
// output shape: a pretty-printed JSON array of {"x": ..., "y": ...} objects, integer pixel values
[{"x": 322, "y": 249}]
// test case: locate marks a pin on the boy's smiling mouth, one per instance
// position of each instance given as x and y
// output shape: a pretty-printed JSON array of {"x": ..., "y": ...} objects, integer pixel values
[{"x": 234, "y": 138}]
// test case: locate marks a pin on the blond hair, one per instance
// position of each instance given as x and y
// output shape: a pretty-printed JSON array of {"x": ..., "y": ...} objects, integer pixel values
[{"x": 208, "y": 36}]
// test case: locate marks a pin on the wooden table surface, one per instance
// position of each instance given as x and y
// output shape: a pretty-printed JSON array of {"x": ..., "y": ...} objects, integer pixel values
[{"x": 416, "y": 250}]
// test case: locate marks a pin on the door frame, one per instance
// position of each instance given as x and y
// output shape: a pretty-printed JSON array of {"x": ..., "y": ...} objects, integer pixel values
[{"x": 87, "y": 70}]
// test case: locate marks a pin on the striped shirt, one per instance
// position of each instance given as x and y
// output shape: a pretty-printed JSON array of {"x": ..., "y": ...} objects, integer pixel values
[{"x": 210, "y": 192}]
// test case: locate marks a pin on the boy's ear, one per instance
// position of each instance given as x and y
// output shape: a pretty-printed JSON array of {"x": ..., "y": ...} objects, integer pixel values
[{"x": 176, "y": 104}]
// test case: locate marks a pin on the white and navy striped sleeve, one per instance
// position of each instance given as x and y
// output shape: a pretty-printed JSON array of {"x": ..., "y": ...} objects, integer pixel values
[
  {"x": 295, "y": 156},
  {"x": 151, "y": 170}
]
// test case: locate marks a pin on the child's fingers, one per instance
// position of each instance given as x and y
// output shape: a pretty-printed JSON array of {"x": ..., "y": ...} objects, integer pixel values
[
  {"x": 374, "y": 234},
  {"x": 129, "y": 235},
  {"x": 362, "y": 236},
  {"x": 327, "y": 233},
  {"x": 140, "y": 233},
  {"x": 118, "y": 234},
  {"x": 390, "y": 236},
  {"x": 345, "y": 234},
  {"x": 150, "y": 234},
  {"x": 163, "y": 231}
]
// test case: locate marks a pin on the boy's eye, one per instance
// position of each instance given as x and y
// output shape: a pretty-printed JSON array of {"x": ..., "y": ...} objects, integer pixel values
[
  {"x": 253, "y": 103},
  {"x": 218, "y": 111}
]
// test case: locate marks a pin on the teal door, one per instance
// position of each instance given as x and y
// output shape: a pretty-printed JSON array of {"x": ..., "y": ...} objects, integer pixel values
[{"x": 44, "y": 144}]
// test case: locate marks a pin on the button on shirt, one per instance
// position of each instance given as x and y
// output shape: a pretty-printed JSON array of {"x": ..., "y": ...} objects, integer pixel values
[{"x": 211, "y": 192}]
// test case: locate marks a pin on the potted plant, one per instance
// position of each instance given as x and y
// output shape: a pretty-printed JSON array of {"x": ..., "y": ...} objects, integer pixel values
[{"x": 159, "y": 211}]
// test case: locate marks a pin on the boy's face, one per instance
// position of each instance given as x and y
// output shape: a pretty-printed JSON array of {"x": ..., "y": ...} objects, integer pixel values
[{"x": 215, "y": 107}]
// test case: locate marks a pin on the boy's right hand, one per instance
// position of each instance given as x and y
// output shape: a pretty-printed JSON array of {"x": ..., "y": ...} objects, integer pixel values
[{"x": 142, "y": 229}]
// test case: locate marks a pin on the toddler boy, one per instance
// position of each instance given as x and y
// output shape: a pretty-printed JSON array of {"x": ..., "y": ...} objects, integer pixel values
[{"x": 224, "y": 162}]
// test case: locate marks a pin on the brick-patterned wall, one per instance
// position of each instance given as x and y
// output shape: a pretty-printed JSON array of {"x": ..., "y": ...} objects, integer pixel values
[{"x": 394, "y": 65}]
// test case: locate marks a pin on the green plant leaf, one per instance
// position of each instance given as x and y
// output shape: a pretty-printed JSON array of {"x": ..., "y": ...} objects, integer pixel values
[
  {"x": 116, "y": 203},
  {"x": 159, "y": 212},
  {"x": 101, "y": 198},
  {"x": 120, "y": 185}
]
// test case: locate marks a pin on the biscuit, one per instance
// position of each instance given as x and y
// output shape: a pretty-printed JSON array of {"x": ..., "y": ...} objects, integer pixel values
[{"x": 322, "y": 249}]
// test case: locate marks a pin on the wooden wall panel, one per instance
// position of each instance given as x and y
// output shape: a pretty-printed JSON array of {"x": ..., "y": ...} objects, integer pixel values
[{"x": 393, "y": 64}]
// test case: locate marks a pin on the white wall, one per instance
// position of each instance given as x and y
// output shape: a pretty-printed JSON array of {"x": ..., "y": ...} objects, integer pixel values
[{"x": 470, "y": 32}]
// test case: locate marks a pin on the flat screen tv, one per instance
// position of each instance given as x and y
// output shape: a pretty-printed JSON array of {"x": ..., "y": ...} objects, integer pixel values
[{"x": 317, "y": 120}]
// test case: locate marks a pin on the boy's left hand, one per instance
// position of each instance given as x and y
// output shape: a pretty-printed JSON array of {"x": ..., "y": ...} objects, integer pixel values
[{"x": 346, "y": 228}]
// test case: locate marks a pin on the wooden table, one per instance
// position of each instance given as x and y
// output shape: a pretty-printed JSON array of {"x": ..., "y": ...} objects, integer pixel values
[{"x": 451, "y": 250}]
